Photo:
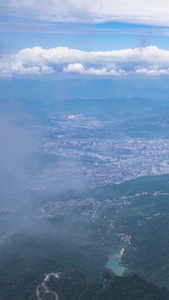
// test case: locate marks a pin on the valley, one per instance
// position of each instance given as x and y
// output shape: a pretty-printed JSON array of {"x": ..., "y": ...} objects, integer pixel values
[{"x": 83, "y": 200}]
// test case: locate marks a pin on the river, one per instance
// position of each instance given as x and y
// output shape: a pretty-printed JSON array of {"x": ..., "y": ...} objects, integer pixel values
[{"x": 112, "y": 264}]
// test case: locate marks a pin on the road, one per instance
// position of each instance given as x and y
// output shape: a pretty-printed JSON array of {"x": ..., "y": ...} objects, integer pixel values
[{"x": 45, "y": 289}]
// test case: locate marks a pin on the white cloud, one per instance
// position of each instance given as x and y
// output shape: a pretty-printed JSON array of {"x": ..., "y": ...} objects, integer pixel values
[
  {"x": 150, "y": 61},
  {"x": 154, "y": 12},
  {"x": 74, "y": 68},
  {"x": 152, "y": 72}
]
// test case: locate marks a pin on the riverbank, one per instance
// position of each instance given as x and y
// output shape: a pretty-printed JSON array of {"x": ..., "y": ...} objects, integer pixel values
[{"x": 118, "y": 254}]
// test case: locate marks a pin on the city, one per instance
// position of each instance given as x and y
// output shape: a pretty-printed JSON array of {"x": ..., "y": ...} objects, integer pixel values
[{"x": 94, "y": 159}]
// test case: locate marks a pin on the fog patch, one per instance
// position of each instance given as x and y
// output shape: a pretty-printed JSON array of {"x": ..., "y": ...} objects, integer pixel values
[
  {"x": 17, "y": 159},
  {"x": 23, "y": 166}
]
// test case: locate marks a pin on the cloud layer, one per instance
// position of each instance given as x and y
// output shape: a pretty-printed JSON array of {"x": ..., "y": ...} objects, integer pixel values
[
  {"x": 62, "y": 60},
  {"x": 154, "y": 12}
]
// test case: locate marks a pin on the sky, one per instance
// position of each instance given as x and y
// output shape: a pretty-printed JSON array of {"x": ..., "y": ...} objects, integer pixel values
[{"x": 90, "y": 39}]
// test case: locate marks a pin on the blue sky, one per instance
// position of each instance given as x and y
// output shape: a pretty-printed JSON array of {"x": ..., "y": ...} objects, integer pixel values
[
  {"x": 108, "y": 38},
  {"x": 97, "y": 37}
]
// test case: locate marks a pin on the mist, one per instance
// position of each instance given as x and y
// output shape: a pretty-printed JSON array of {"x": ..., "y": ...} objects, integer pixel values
[
  {"x": 29, "y": 171},
  {"x": 15, "y": 152}
]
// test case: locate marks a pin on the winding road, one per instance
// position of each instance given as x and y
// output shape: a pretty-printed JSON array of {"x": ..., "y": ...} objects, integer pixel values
[{"x": 43, "y": 285}]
